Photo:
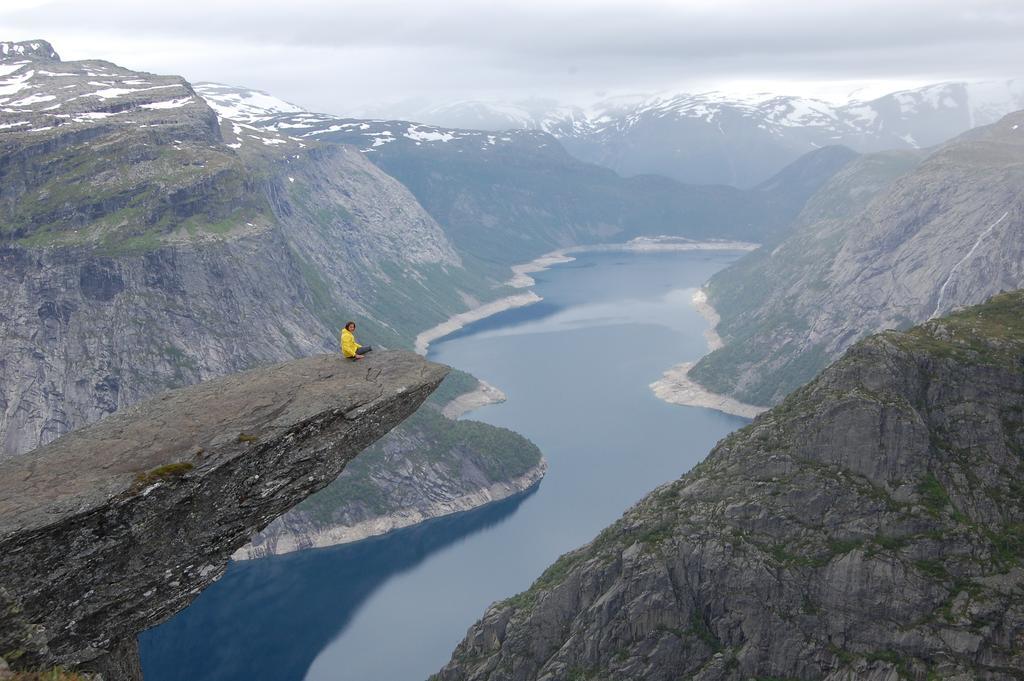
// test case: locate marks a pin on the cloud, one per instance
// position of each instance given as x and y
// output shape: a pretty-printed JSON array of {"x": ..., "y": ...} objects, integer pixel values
[{"x": 342, "y": 55}]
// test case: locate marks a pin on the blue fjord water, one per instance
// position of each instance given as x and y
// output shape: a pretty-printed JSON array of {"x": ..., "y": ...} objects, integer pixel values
[{"x": 576, "y": 369}]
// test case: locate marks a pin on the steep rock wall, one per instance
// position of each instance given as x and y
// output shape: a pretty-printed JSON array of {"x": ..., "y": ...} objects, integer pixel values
[{"x": 889, "y": 243}]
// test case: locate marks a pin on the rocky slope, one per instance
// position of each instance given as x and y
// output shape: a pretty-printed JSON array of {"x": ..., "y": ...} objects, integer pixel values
[
  {"x": 506, "y": 198},
  {"x": 114, "y": 528},
  {"x": 715, "y": 137},
  {"x": 892, "y": 240},
  {"x": 869, "y": 527}
]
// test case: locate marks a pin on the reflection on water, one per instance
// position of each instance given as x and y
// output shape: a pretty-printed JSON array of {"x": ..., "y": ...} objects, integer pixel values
[{"x": 313, "y": 595}]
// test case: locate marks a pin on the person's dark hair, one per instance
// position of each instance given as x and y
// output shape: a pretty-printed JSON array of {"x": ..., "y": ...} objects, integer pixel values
[{"x": 348, "y": 324}]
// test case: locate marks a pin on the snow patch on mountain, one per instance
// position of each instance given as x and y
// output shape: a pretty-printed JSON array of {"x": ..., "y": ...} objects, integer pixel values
[
  {"x": 243, "y": 104},
  {"x": 114, "y": 92},
  {"x": 264, "y": 113},
  {"x": 16, "y": 83},
  {"x": 168, "y": 104},
  {"x": 34, "y": 99},
  {"x": 33, "y": 49},
  {"x": 420, "y": 134}
]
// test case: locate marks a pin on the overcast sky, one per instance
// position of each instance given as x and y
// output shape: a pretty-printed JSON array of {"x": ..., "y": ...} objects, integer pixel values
[{"x": 345, "y": 57}]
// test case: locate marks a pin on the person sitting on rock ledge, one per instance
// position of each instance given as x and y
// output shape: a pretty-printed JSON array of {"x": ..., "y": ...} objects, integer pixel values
[{"x": 349, "y": 347}]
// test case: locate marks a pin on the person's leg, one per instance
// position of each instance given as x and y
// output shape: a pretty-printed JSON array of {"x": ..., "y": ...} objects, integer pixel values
[{"x": 363, "y": 350}]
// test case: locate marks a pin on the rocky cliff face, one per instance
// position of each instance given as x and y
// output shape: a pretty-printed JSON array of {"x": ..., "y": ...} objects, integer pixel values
[
  {"x": 114, "y": 528},
  {"x": 869, "y": 527},
  {"x": 889, "y": 242},
  {"x": 145, "y": 245}
]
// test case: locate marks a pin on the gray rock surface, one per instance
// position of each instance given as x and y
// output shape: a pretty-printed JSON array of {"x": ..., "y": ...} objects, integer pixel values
[
  {"x": 869, "y": 527},
  {"x": 145, "y": 245},
  {"x": 39, "y": 50},
  {"x": 889, "y": 242},
  {"x": 115, "y": 527}
]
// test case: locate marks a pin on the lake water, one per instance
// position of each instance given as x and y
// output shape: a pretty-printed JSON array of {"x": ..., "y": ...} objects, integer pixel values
[{"x": 576, "y": 369}]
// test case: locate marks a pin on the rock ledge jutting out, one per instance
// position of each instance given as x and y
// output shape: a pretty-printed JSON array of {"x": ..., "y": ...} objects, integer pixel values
[{"x": 114, "y": 528}]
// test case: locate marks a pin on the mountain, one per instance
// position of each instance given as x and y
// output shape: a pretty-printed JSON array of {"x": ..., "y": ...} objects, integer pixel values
[
  {"x": 505, "y": 198},
  {"x": 147, "y": 244},
  {"x": 493, "y": 116},
  {"x": 718, "y": 138},
  {"x": 889, "y": 241},
  {"x": 243, "y": 105},
  {"x": 869, "y": 527}
]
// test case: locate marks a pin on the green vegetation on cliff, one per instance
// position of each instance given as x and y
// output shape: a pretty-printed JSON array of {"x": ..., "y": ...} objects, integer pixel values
[
  {"x": 429, "y": 465},
  {"x": 55, "y": 674},
  {"x": 992, "y": 333},
  {"x": 436, "y": 450}
]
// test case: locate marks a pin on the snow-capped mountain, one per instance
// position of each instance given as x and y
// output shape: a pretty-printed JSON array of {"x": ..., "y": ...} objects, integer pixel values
[
  {"x": 496, "y": 116},
  {"x": 260, "y": 111},
  {"x": 715, "y": 137},
  {"x": 502, "y": 197},
  {"x": 44, "y": 98},
  {"x": 243, "y": 104},
  {"x": 41, "y": 96}
]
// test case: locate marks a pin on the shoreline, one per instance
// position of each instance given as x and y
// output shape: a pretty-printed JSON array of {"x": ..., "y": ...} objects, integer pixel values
[
  {"x": 676, "y": 387},
  {"x": 521, "y": 277},
  {"x": 642, "y": 244},
  {"x": 521, "y": 273},
  {"x": 458, "y": 321},
  {"x": 481, "y": 396},
  {"x": 347, "y": 534},
  {"x": 711, "y": 316}
]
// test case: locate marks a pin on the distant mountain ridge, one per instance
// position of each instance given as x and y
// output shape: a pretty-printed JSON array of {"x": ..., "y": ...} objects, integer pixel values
[
  {"x": 267, "y": 112},
  {"x": 506, "y": 197},
  {"x": 718, "y": 138}
]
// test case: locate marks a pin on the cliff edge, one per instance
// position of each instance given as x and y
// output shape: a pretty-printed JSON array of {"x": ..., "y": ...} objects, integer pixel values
[{"x": 115, "y": 527}]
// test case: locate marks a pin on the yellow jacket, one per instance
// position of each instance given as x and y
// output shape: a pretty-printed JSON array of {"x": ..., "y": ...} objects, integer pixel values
[{"x": 348, "y": 343}]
